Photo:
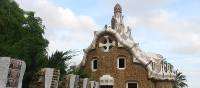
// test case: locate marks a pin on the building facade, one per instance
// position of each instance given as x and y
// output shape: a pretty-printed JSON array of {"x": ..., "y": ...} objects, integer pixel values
[{"x": 115, "y": 60}]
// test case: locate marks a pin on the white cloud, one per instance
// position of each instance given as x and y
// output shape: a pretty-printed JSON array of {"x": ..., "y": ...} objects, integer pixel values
[
  {"x": 58, "y": 17},
  {"x": 65, "y": 29},
  {"x": 183, "y": 34}
]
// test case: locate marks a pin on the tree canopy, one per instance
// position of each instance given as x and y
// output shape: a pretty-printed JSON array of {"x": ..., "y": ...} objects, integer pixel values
[{"x": 21, "y": 36}]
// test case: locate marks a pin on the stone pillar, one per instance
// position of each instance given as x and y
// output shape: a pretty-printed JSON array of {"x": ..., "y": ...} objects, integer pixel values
[
  {"x": 55, "y": 79},
  {"x": 11, "y": 72},
  {"x": 4, "y": 66},
  {"x": 46, "y": 78},
  {"x": 73, "y": 82},
  {"x": 70, "y": 81},
  {"x": 66, "y": 81},
  {"x": 85, "y": 83},
  {"x": 51, "y": 77},
  {"x": 93, "y": 84}
]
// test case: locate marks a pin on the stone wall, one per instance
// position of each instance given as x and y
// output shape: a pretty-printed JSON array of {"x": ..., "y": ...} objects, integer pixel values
[
  {"x": 49, "y": 78},
  {"x": 163, "y": 84},
  {"x": 11, "y": 72},
  {"x": 73, "y": 81}
]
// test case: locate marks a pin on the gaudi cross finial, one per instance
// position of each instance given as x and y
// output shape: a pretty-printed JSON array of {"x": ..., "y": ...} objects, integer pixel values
[{"x": 106, "y": 47}]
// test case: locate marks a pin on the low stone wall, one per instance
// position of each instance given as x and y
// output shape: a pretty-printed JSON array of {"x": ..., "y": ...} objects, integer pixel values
[
  {"x": 73, "y": 81},
  {"x": 11, "y": 72},
  {"x": 49, "y": 78}
]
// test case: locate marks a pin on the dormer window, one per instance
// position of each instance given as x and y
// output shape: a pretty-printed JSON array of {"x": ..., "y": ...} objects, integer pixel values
[
  {"x": 94, "y": 64},
  {"x": 121, "y": 63}
]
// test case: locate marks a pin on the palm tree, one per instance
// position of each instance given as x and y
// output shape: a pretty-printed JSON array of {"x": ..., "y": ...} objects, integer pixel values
[
  {"x": 77, "y": 71},
  {"x": 180, "y": 80},
  {"x": 58, "y": 60}
]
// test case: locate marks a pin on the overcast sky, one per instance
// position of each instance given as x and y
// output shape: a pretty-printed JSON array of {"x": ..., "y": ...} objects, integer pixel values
[{"x": 167, "y": 27}]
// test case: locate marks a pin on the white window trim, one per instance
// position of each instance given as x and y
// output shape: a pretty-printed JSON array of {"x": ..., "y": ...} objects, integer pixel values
[
  {"x": 118, "y": 63},
  {"x": 92, "y": 65},
  {"x": 132, "y": 82}
]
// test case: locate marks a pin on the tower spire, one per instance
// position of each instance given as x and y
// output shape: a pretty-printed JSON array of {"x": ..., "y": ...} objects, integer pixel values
[
  {"x": 117, "y": 8},
  {"x": 117, "y": 19}
]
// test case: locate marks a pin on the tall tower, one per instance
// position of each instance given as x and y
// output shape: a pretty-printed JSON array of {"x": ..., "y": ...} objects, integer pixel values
[
  {"x": 117, "y": 19},
  {"x": 118, "y": 13}
]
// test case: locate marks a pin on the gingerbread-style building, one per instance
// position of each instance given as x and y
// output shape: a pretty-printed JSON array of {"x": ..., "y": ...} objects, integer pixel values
[{"x": 115, "y": 60}]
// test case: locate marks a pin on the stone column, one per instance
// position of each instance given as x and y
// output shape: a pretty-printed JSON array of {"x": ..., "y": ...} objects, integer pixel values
[{"x": 11, "y": 72}]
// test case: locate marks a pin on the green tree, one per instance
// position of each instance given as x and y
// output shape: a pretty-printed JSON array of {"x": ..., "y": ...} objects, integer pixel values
[
  {"x": 180, "y": 80},
  {"x": 21, "y": 36},
  {"x": 59, "y": 60},
  {"x": 77, "y": 71}
]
